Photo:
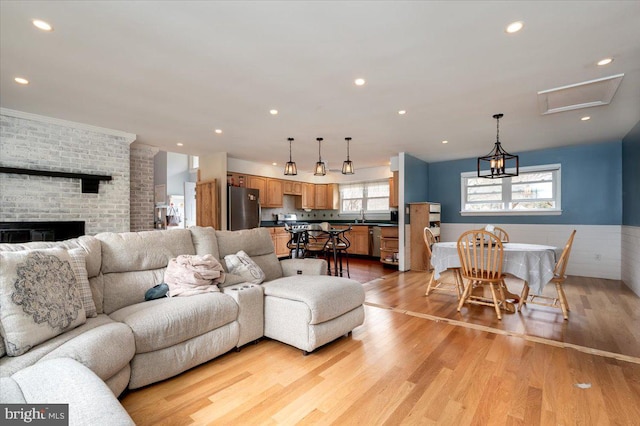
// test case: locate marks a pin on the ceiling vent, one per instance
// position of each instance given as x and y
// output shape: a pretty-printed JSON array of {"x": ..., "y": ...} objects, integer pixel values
[{"x": 580, "y": 95}]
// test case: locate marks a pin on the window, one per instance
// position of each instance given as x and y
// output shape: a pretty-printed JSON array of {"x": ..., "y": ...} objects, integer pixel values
[
  {"x": 535, "y": 191},
  {"x": 370, "y": 196},
  {"x": 194, "y": 162}
]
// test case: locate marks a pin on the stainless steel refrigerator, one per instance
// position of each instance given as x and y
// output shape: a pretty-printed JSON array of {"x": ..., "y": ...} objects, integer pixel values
[{"x": 243, "y": 207}]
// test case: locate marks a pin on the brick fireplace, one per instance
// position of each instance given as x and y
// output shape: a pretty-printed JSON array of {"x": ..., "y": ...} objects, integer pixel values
[{"x": 30, "y": 141}]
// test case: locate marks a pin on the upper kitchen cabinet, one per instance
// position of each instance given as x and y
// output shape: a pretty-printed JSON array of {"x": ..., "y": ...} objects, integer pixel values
[
  {"x": 292, "y": 188},
  {"x": 308, "y": 198},
  {"x": 259, "y": 183},
  {"x": 274, "y": 193},
  {"x": 327, "y": 197},
  {"x": 271, "y": 190}
]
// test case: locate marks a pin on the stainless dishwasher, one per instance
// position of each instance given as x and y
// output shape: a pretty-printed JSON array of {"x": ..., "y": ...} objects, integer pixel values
[{"x": 374, "y": 240}]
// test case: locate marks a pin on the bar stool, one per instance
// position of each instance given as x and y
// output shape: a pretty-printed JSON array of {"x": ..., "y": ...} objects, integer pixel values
[{"x": 337, "y": 247}]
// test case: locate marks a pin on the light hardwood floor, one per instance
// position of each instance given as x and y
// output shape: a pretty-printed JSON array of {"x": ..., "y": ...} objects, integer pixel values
[{"x": 416, "y": 360}]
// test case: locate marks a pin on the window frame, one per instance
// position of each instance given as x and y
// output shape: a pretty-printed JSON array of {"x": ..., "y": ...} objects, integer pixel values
[
  {"x": 365, "y": 196},
  {"x": 506, "y": 197}
]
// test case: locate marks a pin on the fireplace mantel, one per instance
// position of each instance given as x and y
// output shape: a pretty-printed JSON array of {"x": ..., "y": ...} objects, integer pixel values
[{"x": 90, "y": 183}]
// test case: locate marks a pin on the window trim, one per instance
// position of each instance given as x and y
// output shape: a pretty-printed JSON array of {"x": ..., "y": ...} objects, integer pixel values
[
  {"x": 557, "y": 185},
  {"x": 365, "y": 196}
]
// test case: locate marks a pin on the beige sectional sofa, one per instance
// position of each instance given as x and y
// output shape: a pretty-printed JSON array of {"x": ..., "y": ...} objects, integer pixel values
[{"x": 131, "y": 343}]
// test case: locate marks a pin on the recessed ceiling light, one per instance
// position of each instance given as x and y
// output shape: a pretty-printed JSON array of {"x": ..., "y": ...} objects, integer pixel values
[
  {"x": 218, "y": 131},
  {"x": 274, "y": 164},
  {"x": 445, "y": 141},
  {"x": 514, "y": 27},
  {"x": 180, "y": 144},
  {"x": 21, "y": 80},
  {"x": 359, "y": 82},
  {"x": 585, "y": 118},
  {"x": 273, "y": 112},
  {"x": 44, "y": 26},
  {"x": 402, "y": 112},
  {"x": 605, "y": 61}
]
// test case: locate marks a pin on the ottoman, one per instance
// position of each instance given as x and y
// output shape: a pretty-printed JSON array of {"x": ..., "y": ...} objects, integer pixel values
[{"x": 308, "y": 311}]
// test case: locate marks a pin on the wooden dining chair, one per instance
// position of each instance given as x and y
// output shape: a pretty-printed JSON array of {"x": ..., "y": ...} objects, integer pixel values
[
  {"x": 558, "y": 279},
  {"x": 481, "y": 254},
  {"x": 429, "y": 240},
  {"x": 501, "y": 234}
]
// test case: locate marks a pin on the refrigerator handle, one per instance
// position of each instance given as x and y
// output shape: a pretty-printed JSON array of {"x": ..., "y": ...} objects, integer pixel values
[{"x": 259, "y": 214}]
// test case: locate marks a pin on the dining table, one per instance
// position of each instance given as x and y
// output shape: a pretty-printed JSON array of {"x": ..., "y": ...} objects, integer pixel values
[{"x": 533, "y": 263}]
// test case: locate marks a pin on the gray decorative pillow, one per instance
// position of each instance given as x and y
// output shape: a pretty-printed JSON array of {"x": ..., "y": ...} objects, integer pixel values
[
  {"x": 241, "y": 264},
  {"x": 39, "y": 298},
  {"x": 79, "y": 266}
]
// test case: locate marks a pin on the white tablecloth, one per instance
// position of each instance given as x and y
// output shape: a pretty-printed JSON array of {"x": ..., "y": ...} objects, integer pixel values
[{"x": 532, "y": 263}]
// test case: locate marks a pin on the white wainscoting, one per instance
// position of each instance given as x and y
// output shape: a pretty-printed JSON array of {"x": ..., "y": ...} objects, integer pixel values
[
  {"x": 596, "y": 250},
  {"x": 631, "y": 257}
]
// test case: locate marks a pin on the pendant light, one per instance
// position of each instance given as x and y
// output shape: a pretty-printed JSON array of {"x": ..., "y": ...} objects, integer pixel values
[
  {"x": 347, "y": 166},
  {"x": 290, "y": 168},
  {"x": 320, "y": 168},
  {"x": 494, "y": 165}
]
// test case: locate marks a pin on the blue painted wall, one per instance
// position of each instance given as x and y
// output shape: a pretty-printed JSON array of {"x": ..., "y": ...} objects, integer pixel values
[
  {"x": 631, "y": 177},
  {"x": 591, "y": 185},
  {"x": 416, "y": 182}
]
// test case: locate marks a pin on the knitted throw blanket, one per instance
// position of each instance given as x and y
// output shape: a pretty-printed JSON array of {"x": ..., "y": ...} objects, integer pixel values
[{"x": 188, "y": 275}]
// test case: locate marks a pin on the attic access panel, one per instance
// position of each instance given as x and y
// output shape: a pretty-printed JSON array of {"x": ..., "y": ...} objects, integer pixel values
[{"x": 580, "y": 95}]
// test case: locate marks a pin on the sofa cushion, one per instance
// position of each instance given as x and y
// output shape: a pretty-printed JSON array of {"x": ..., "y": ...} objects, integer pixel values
[
  {"x": 327, "y": 297},
  {"x": 127, "y": 288},
  {"x": 257, "y": 244},
  {"x": 39, "y": 297},
  {"x": 204, "y": 241},
  {"x": 165, "y": 322},
  {"x": 103, "y": 345},
  {"x": 141, "y": 251}
]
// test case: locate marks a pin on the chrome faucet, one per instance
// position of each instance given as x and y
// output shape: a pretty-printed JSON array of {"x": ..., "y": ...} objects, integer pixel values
[{"x": 362, "y": 215}]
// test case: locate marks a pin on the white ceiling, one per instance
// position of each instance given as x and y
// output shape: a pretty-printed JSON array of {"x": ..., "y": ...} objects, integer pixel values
[{"x": 173, "y": 71}]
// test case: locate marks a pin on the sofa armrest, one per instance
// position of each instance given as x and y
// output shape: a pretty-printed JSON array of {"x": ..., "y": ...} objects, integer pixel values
[
  {"x": 66, "y": 381},
  {"x": 303, "y": 267}
]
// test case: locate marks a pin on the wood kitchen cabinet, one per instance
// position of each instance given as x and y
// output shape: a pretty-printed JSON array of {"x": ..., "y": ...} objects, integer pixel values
[
  {"x": 259, "y": 183},
  {"x": 393, "y": 190},
  {"x": 308, "y": 198},
  {"x": 327, "y": 197},
  {"x": 291, "y": 187},
  {"x": 274, "y": 193},
  {"x": 280, "y": 238},
  {"x": 359, "y": 237},
  {"x": 271, "y": 190}
]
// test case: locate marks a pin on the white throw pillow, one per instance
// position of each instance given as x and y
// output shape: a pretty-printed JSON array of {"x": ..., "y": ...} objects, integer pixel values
[
  {"x": 242, "y": 265},
  {"x": 39, "y": 297}
]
